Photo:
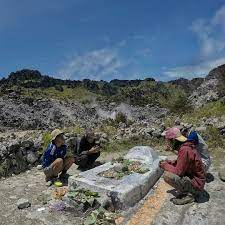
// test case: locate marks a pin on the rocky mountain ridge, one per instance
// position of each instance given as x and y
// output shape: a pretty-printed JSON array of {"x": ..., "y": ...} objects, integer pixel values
[
  {"x": 34, "y": 79},
  {"x": 23, "y": 107}
]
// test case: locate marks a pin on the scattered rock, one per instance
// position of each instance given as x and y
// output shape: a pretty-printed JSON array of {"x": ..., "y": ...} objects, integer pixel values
[
  {"x": 157, "y": 133},
  {"x": 222, "y": 175},
  {"x": 39, "y": 167},
  {"x": 199, "y": 129},
  {"x": 23, "y": 203},
  {"x": 32, "y": 157},
  {"x": 41, "y": 209}
]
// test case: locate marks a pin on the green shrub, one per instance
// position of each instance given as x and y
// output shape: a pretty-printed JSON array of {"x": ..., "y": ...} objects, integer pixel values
[
  {"x": 86, "y": 101},
  {"x": 108, "y": 129},
  {"x": 46, "y": 139},
  {"x": 213, "y": 137},
  {"x": 175, "y": 99},
  {"x": 212, "y": 109},
  {"x": 125, "y": 144},
  {"x": 59, "y": 92},
  {"x": 59, "y": 88},
  {"x": 121, "y": 118}
]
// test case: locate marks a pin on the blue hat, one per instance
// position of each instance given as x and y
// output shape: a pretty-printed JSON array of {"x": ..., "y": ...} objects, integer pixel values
[{"x": 193, "y": 136}]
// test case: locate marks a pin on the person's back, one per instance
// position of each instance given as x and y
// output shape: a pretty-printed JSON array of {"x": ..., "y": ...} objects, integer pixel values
[
  {"x": 82, "y": 145},
  {"x": 195, "y": 169},
  {"x": 202, "y": 148},
  {"x": 86, "y": 151}
]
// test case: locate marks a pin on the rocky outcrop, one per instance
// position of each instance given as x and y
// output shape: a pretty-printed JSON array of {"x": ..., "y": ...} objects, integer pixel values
[
  {"x": 216, "y": 73},
  {"x": 33, "y": 79},
  {"x": 17, "y": 156},
  {"x": 207, "y": 92},
  {"x": 187, "y": 85},
  {"x": 23, "y": 113}
]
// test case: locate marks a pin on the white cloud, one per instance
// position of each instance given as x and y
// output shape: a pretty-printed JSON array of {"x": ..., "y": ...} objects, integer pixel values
[
  {"x": 191, "y": 71},
  {"x": 219, "y": 18},
  {"x": 95, "y": 65},
  {"x": 211, "y": 37}
]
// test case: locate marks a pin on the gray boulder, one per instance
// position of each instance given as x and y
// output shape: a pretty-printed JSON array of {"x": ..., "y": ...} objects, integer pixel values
[
  {"x": 157, "y": 133},
  {"x": 27, "y": 144},
  {"x": 23, "y": 203},
  {"x": 32, "y": 157}
]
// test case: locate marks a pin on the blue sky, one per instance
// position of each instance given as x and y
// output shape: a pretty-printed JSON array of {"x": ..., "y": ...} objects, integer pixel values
[{"x": 108, "y": 39}]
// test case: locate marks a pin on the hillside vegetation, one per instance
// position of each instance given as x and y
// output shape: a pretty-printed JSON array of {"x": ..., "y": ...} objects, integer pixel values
[{"x": 31, "y": 83}]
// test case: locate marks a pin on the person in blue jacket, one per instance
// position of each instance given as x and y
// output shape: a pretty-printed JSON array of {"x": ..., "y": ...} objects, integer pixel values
[{"x": 55, "y": 162}]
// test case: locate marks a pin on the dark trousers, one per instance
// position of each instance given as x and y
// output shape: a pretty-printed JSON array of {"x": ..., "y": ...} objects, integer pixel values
[
  {"x": 181, "y": 184},
  {"x": 86, "y": 160}
]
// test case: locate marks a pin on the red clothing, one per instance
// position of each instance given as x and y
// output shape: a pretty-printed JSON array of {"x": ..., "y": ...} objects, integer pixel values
[{"x": 188, "y": 164}]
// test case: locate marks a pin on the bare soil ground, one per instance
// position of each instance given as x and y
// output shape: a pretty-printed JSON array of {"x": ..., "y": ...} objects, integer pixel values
[{"x": 155, "y": 209}]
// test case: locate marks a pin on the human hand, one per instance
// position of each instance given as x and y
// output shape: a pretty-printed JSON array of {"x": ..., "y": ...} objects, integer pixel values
[
  {"x": 84, "y": 153},
  {"x": 94, "y": 150},
  {"x": 161, "y": 163}
]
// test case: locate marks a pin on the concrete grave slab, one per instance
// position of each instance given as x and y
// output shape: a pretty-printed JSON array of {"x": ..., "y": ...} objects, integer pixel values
[{"x": 128, "y": 190}]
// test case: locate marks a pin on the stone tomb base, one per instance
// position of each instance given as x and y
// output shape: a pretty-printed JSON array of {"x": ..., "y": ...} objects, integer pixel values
[{"x": 128, "y": 190}]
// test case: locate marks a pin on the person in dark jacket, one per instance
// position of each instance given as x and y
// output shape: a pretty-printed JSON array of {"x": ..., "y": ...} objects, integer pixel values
[
  {"x": 186, "y": 174},
  {"x": 54, "y": 159},
  {"x": 86, "y": 150}
]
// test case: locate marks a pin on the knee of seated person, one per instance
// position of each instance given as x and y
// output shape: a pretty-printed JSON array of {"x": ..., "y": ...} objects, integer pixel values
[
  {"x": 84, "y": 157},
  {"x": 72, "y": 160},
  {"x": 83, "y": 163},
  {"x": 168, "y": 176},
  {"x": 69, "y": 159},
  {"x": 59, "y": 161}
]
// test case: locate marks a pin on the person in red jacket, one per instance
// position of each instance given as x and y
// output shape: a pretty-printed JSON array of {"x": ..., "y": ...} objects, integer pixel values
[{"x": 186, "y": 174}]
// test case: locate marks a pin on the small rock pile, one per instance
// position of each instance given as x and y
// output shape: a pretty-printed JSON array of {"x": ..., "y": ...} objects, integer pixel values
[
  {"x": 217, "y": 122},
  {"x": 140, "y": 129},
  {"x": 17, "y": 156}
]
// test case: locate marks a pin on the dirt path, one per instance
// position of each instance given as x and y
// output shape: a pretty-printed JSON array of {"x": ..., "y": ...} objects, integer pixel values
[
  {"x": 157, "y": 209},
  {"x": 209, "y": 212},
  {"x": 146, "y": 213},
  {"x": 29, "y": 185}
]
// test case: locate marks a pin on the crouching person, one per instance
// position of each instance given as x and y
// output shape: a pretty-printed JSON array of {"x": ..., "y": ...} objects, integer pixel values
[
  {"x": 201, "y": 146},
  {"x": 55, "y": 162},
  {"x": 187, "y": 173},
  {"x": 86, "y": 151}
]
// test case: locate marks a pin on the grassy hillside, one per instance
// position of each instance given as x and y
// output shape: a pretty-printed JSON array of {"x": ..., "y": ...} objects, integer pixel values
[
  {"x": 79, "y": 94},
  {"x": 212, "y": 109}
]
